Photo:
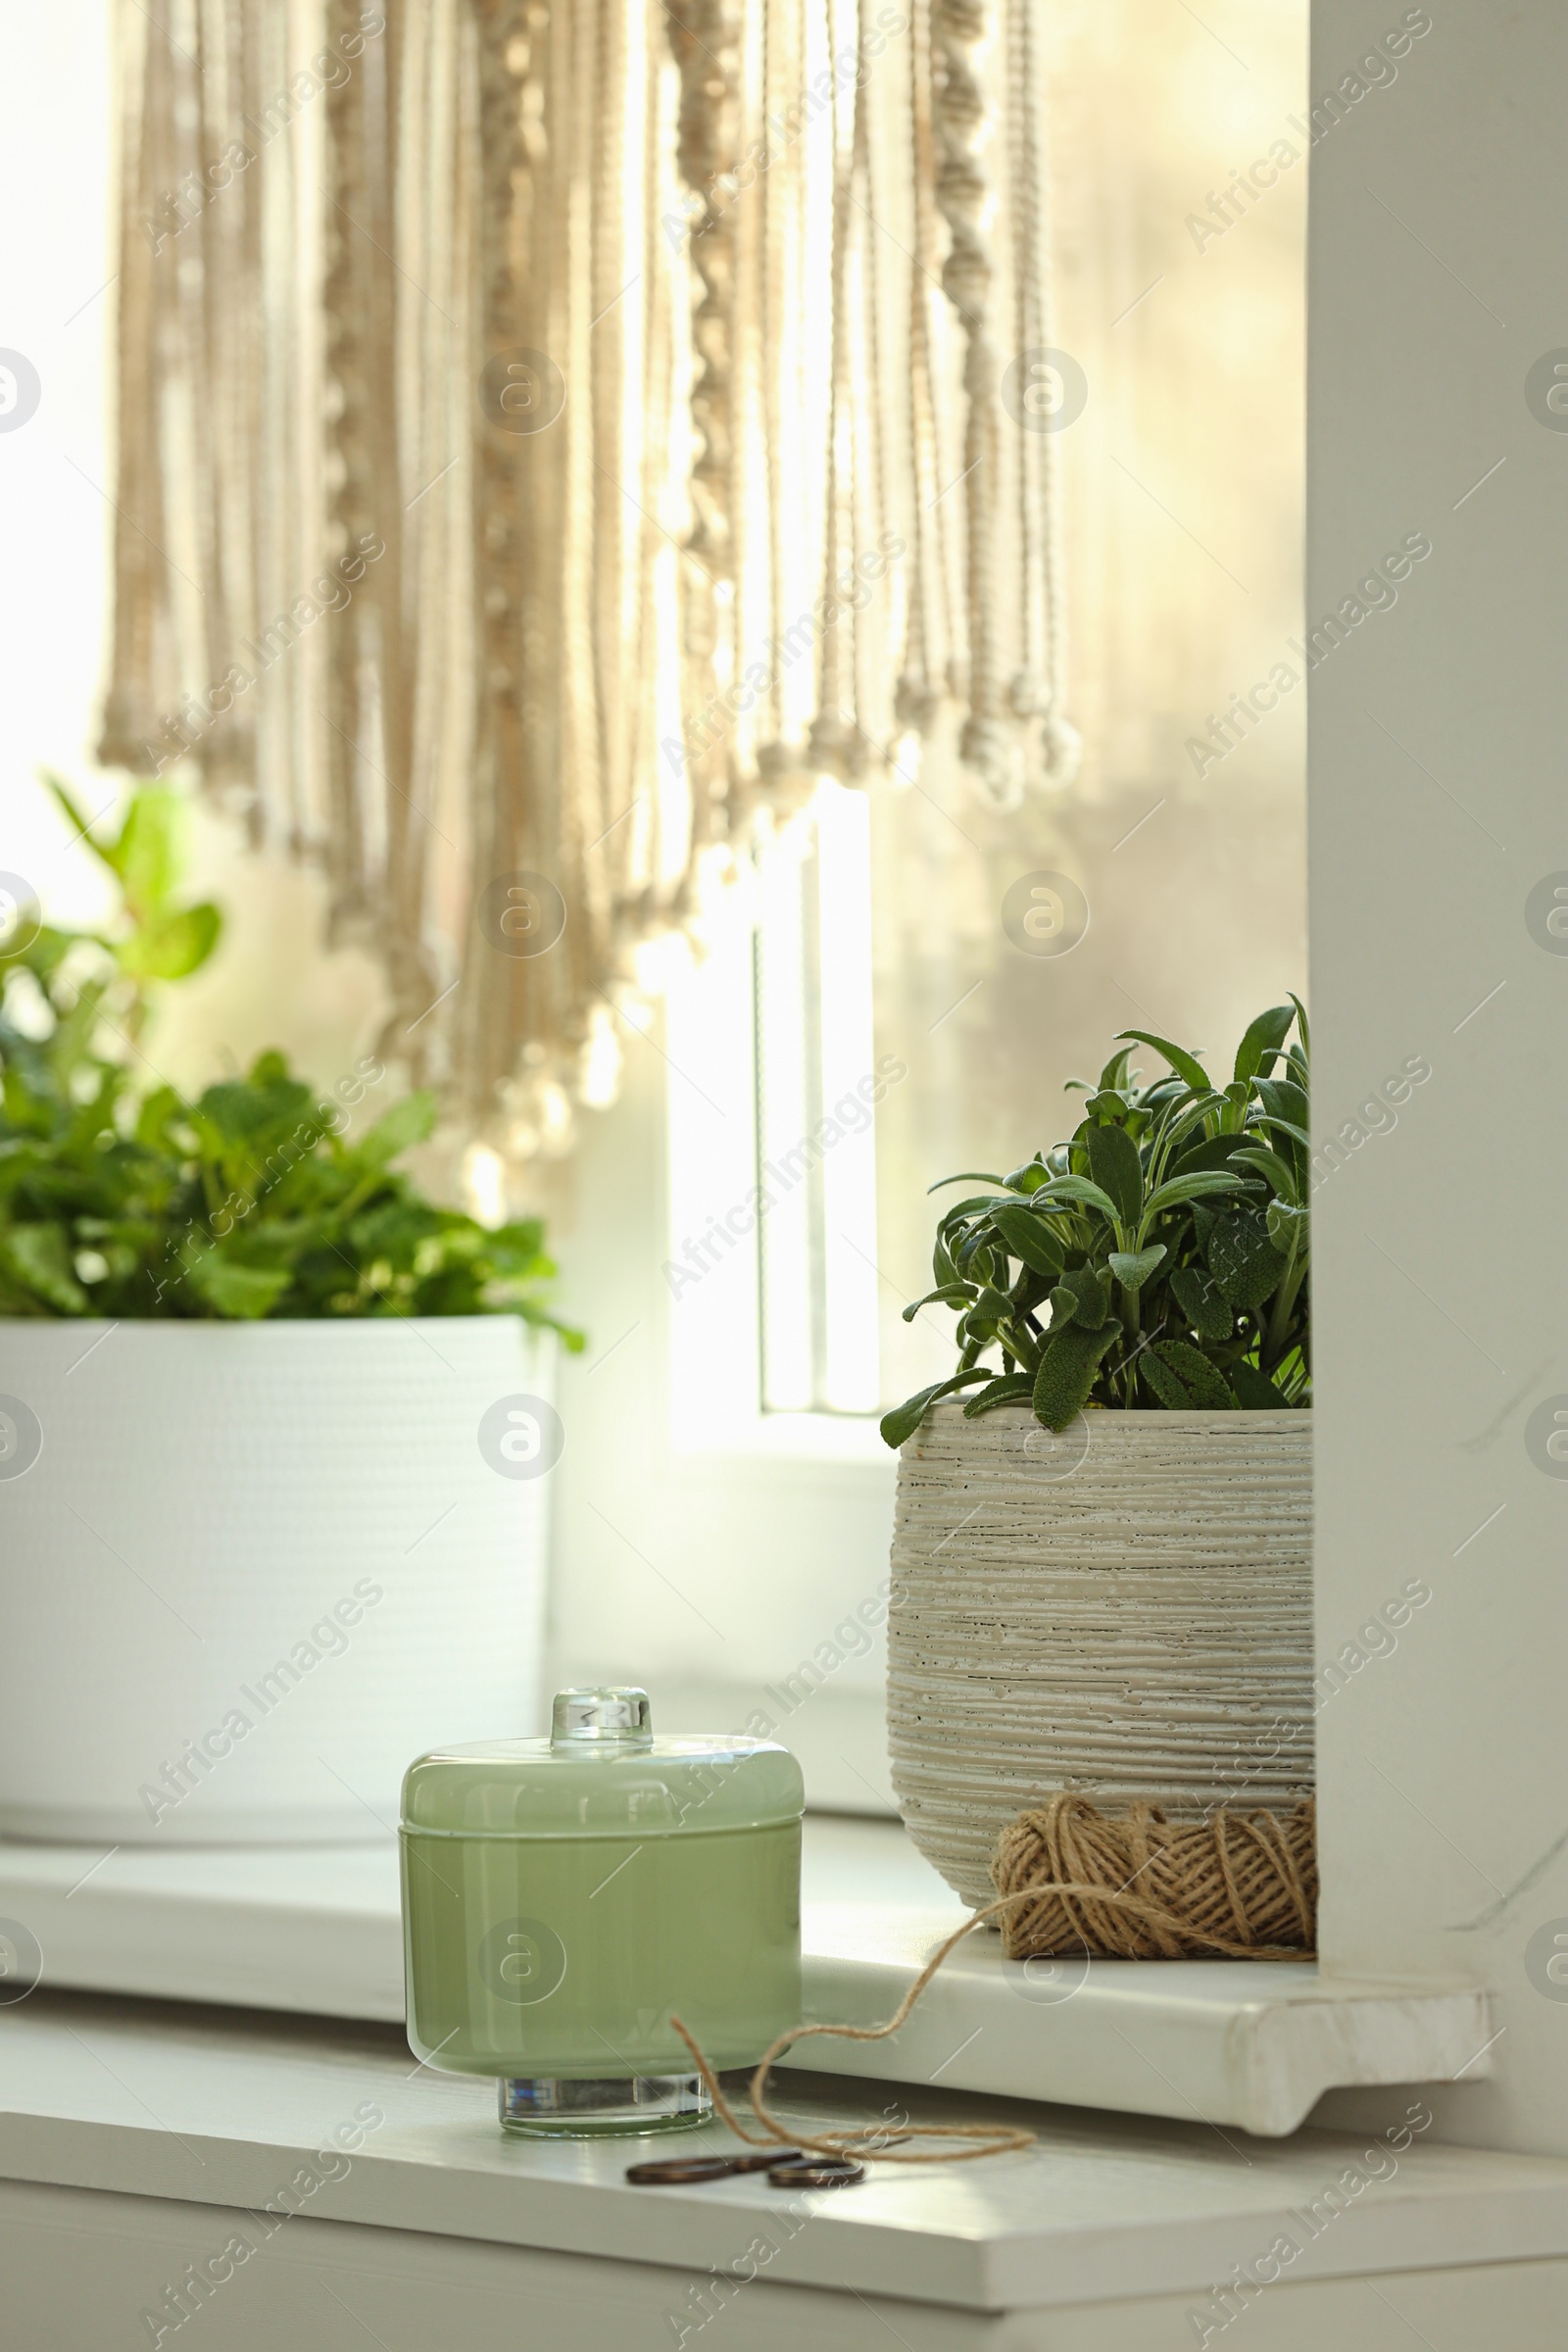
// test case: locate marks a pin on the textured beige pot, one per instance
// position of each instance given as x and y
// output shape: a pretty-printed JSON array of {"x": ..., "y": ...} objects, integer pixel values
[{"x": 1125, "y": 1610}]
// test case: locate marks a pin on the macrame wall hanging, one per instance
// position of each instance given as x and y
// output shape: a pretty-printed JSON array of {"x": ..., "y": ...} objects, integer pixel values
[{"x": 553, "y": 435}]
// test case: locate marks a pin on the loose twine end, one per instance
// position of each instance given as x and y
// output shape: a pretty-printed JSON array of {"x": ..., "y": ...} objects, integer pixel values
[{"x": 1234, "y": 1886}]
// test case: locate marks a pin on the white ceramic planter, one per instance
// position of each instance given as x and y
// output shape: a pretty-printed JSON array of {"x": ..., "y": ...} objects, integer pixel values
[
  {"x": 249, "y": 1571},
  {"x": 1125, "y": 1611}
]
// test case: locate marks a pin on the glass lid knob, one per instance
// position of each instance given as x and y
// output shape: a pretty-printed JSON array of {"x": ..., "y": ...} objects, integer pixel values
[{"x": 602, "y": 1719}]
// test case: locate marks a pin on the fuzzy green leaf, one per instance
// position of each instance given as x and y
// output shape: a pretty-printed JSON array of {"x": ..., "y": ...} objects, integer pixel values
[
  {"x": 1068, "y": 1369},
  {"x": 1196, "y": 1187},
  {"x": 1255, "y": 1392},
  {"x": 1082, "y": 1300},
  {"x": 1282, "y": 1098},
  {"x": 1290, "y": 1127},
  {"x": 974, "y": 1256},
  {"x": 1113, "y": 1165},
  {"x": 1271, "y": 1165},
  {"x": 978, "y": 1205},
  {"x": 172, "y": 946},
  {"x": 239, "y": 1111},
  {"x": 28, "y": 1109},
  {"x": 1209, "y": 1153},
  {"x": 1132, "y": 1268},
  {"x": 79, "y": 819},
  {"x": 1186, "y": 1065},
  {"x": 952, "y": 1294},
  {"x": 1289, "y": 1226},
  {"x": 518, "y": 1245},
  {"x": 149, "y": 855},
  {"x": 1198, "y": 1295},
  {"x": 1029, "y": 1238},
  {"x": 406, "y": 1123},
  {"x": 1194, "y": 1113},
  {"x": 157, "y": 1118},
  {"x": 1016, "y": 1388},
  {"x": 905, "y": 1418},
  {"x": 1075, "y": 1191},
  {"x": 994, "y": 1304},
  {"x": 1243, "y": 1260},
  {"x": 240, "y": 1294},
  {"x": 1165, "y": 1383},
  {"x": 1302, "y": 1024},
  {"x": 1203, "y": 1383},
  {"x": 39, "y": 1257},
  {"x": 1265, "y": 1037}
]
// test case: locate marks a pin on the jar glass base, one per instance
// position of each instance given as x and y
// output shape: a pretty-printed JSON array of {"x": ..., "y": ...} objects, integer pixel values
[{"x": 631, "y": 2106}]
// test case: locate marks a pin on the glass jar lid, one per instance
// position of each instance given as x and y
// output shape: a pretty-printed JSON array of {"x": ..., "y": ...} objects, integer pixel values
[{"x": 603, "y": 1774}]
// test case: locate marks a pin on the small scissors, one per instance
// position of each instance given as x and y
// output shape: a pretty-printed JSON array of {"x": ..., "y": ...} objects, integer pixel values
[{"x": 786, "y": 2168}]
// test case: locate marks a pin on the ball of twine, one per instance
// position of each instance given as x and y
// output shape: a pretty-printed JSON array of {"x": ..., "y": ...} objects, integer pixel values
[
  {"x": 1137, "y": 1886},
  {"x": 1069, "y": 1878}
]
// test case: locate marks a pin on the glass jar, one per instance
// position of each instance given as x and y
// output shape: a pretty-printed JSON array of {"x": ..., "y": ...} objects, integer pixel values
[{"x": 562, "y": 1897}]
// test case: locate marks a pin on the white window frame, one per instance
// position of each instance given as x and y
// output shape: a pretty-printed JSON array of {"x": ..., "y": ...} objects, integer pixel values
[
  {"x": 703, "y": 1546},
  {"x": 731, "y": 1169}
]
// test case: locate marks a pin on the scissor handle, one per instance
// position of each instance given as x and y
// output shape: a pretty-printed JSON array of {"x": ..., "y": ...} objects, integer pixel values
[
  {"x": 676, "y": 2169},
  {"x": 807, "y": 2171},
  {"x": 672, "y": 2171}
]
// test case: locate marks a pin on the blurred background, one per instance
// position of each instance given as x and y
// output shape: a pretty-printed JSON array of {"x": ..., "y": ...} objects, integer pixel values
[{"x": 723, "y": 1502}]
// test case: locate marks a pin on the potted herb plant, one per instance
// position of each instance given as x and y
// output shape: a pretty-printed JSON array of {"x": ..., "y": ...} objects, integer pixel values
[
  {"x": 275, "y": 1427},
  {"x": 1102, "y": 1574}
]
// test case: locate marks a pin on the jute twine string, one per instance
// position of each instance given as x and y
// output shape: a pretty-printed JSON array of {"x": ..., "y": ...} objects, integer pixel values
[
  {"x": 874, "y": 2143},
  {"x": 1137, "y": 1886},
  {"x": 1237, "y": 1886}
]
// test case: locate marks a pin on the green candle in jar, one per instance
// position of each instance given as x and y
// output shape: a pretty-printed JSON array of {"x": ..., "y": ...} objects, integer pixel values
[{"x": 562, "y": 1899}]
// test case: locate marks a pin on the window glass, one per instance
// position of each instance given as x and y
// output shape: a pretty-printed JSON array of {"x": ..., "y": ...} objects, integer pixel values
[{"x": 1171, "y": 876}]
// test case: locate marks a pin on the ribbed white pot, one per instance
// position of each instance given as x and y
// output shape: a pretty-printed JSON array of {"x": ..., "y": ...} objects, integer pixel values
[
  {"x": 1125, "y": 1611},
  {"x": 249, "y": 1571}
]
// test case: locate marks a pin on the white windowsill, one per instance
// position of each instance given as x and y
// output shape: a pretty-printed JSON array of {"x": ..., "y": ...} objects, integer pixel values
[
  {"x": 316, "y": 1930},
  {"x": 203, "y": 2110}
]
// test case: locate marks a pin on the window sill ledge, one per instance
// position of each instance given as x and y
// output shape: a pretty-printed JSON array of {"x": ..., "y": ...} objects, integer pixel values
[
  {"x": 317, "y": 1931},
  {"x": 177, "y": 2111}
]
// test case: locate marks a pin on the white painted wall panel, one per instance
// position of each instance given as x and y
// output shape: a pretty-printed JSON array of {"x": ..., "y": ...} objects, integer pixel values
[{"x": 1438, "y": 807}]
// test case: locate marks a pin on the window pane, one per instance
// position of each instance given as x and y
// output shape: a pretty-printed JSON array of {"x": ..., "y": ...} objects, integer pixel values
[
  {"x": 816, "y": 1169},
  {"x": 1182, "y": 488}
]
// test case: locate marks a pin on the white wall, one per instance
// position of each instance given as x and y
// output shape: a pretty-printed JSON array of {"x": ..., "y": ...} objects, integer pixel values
[{"x": 1437, "y": 804}]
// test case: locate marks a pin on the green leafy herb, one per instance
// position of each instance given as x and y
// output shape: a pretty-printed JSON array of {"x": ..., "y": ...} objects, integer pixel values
[
  {"x": 1065, "y": 1376},
  {"x": 1157, "y": 1261},
  {"x": 253, "y": 1201}
]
